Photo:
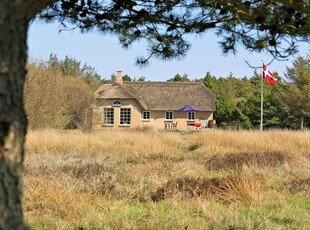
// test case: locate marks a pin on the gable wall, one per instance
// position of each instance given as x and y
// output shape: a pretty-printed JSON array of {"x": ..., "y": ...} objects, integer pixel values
[{"x": 136, "y": 109}]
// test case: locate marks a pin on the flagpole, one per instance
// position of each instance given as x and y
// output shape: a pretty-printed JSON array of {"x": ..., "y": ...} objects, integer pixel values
[{"x": 261, "y": 103}]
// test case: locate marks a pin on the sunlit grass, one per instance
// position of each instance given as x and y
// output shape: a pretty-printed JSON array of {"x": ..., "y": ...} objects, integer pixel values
[{"x": 106, "y": 179}]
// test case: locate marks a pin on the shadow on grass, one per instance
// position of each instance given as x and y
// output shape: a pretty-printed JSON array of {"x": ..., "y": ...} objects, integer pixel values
[
  {"x": 238, "y": 160},
  {"x": 228, "y": 189}
]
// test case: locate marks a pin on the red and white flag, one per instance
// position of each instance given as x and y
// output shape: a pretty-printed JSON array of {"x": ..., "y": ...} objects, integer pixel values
[{"x": 268, "y": 76}]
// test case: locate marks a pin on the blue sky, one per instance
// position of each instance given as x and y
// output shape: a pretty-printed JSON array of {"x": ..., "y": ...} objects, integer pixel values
[{"x": 105, "y": 54}]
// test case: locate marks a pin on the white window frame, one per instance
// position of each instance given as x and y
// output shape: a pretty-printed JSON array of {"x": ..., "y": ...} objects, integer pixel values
[
  {"x": 125, "y": 116},
  {"x": 191, "y": 115},
  {"x": 146, "y": 115},
  {"x": 169, "y": 115},
  {"x": 108, "y": 116}
]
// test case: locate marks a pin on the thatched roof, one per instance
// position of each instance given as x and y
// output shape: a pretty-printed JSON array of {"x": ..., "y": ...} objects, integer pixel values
[
  {"x": 160, "y": 95},
  {"x": 112, "y": 91}
]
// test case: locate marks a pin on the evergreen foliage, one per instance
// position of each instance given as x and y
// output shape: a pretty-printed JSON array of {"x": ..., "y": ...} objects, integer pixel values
[
  {"x": 286, "y": 105},
  {"x": 74, "y": 68},
  {"x": 296, "y": 89},
  {"x": 179, "y": 78}
]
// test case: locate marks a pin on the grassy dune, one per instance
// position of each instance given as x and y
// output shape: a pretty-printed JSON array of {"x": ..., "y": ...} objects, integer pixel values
[{"x": 167, "y": 180}]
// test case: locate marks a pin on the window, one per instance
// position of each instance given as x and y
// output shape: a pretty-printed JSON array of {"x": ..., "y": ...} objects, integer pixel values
[
  {"x": 146, "y": 115},
  {"x": 116, "y": 103},
  {"x": 125, "y": 116},
  {"x": 169, "y": 115},
  {"x": 108, "y": 116},
  {"x": 191, "y": 116}
]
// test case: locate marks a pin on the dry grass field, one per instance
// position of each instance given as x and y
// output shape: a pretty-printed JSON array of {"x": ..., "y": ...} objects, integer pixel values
[{"x": 145, "y": 179}]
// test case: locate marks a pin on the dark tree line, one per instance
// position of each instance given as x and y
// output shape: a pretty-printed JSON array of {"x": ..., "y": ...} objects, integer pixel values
[{"x": 238, "y": 100}]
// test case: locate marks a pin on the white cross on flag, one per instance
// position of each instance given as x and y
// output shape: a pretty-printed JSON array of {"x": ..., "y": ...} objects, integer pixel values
[{"x": 268, "y": 76}]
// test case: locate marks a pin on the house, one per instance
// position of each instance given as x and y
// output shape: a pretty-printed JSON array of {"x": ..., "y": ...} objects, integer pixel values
[{"x": 138, "y": 104}]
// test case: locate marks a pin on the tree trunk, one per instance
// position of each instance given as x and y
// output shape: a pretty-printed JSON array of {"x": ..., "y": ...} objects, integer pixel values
[
  {"x": 302, "y": 123},
  {"x": 14, "y": 19}
]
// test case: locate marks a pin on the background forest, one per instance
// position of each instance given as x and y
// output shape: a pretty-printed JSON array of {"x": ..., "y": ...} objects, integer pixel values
[{"x": 58, "y": 93}]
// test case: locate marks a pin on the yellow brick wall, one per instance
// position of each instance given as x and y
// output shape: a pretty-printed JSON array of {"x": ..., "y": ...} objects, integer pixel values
[
  {"x": 100, "y": 105},
  {"x": 157, "y": 120}
]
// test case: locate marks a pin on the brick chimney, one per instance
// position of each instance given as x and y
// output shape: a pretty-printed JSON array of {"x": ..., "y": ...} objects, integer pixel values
[{"x": 119, "y": 77}]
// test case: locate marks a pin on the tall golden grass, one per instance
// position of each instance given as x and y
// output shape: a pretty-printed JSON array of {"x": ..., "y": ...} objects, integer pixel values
[
  {"x": 107, "y": 179},
  {"x": 145, "y": 142}
]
